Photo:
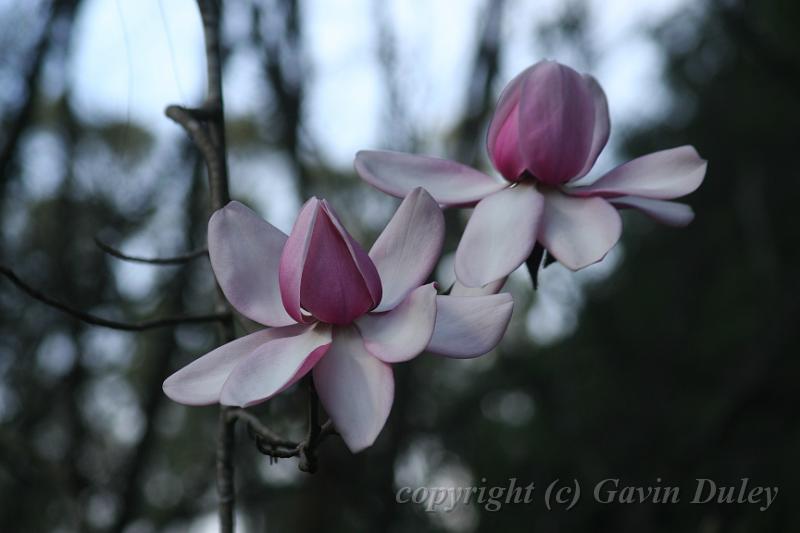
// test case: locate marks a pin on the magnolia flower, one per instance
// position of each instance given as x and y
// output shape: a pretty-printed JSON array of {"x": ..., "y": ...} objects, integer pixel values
[
  {"x": 334, "y": 308},
  {"x": 547, "y": 131}
]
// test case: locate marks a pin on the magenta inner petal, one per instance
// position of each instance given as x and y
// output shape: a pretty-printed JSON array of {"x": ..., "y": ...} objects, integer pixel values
[
  {"x": 333, "y": 288},
  {"x": 293, "y": 259},
  {"x": 505, "y": 150},
  {"x": 556, "y": 122},
  {"x": 360, "y": 257}
]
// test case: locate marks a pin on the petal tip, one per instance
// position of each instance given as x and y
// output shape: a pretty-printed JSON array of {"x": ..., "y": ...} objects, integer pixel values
[
  {"x": 174, "y": 391},
  {"x": 470, "y": 326}
]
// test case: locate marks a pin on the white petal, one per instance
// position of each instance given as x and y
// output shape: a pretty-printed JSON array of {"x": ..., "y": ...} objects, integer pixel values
[
  {"x": 275, "y": 366},
  {"x": 468, "y": 326},
  {"x": 450, "y": 183},
  {"x": 459, "y": 289},
  {"x": 200, "y": 382},
  {"x": 670, "y": 213},
  {"x": 499, "y": 236},
  {"x": 408, "y": 248},
  {"x": 402, "y": 333},
  {"x": 245, "y": 251},
  {"x": 355, "y": 388},
  {"x": 661, "y": 175},
  {"x": 578, "y": 231}
]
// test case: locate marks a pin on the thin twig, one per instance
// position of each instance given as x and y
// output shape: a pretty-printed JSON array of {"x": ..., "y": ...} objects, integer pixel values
[
  {"x": 174, "y": 260},
  {"x": 104, "y": 322},
  {"x": 257, "y": 428},
  {"x": 274, "y": 446}
]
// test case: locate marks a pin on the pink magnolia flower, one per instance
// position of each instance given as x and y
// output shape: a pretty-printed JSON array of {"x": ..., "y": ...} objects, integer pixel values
[
  {"x": 548, "y": 129},
  {"x": 335, "y": 309}
]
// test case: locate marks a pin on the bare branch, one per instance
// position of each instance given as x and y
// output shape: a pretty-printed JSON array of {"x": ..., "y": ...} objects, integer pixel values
[
  {"x": 206, "y": 127},
  {"x": 274, "y": 446},
  {"x": 199, "y": 130},
  {"x": 206, "y": 124},
  {"x": 104, "y": 322},
  {"x": 258, "y": 429},
  {"x": 175, "y": 260}
]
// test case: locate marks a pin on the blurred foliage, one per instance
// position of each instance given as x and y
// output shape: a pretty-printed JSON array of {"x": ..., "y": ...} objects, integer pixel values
[{"x": 683, "y": 365}]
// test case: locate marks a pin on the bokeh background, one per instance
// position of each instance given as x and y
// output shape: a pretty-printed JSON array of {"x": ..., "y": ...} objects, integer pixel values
[{"x": 675, "y": 358}]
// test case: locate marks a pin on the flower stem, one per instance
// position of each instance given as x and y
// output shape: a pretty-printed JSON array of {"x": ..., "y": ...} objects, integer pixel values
[{"x": 533, "y": 262}]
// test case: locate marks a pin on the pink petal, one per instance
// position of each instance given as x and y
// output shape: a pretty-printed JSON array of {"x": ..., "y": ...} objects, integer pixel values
[
  {"x": 502, "y": 141},
  {"x": 402, "y": 333},
  {"x": 275, "y": 366},
  {"x": 324, "y": 271},
  {"x": 355, "y": 388},
  {"x": 578, "y": 231},
  {"x": 459, "y": 289},
  {"x": 293, "y": 259},
  {"x": 200, "y": 382},
  {"x": 670, "y": 213},
  {"x": 557, "y": 122},
  {"x": 450, "y": 183},
  {"x": 499, "y": 236},
  {"x": 361, "y": 259},
  {"x": 661, "y": 175},
  {"x": 602, "y": 124},
  {"x": 245, "y": 253},
  {"x": 469, "y": 326},
  {"x": 408, "y": 248}
]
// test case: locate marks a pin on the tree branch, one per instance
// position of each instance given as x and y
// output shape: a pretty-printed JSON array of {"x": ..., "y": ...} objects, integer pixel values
[
  {"x": 206, "y": 127},
  {"x": 308, "y": 449},
  {"x": 217, "y": 166},
  {"x": 200, "y": 131},
  {"x": 175, "y": 260},
  {"x": 104, "y": 322}
]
